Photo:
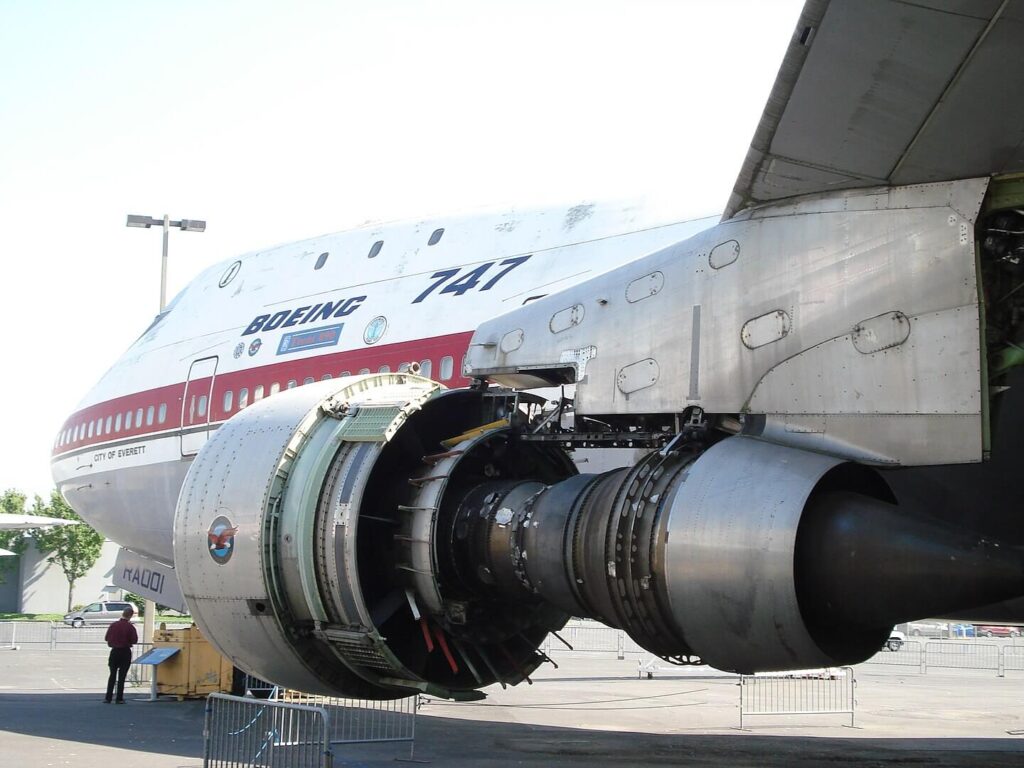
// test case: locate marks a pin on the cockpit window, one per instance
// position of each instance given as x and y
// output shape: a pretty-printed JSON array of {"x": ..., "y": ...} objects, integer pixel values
[{"x": 163, "y": 313}]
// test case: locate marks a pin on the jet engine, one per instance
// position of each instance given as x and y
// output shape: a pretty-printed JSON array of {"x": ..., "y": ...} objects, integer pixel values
[{"x": 379, "y": 535}]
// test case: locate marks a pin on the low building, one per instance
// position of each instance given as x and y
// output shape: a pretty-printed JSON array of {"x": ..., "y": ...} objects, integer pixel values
[{"x": 34, "y": 585}]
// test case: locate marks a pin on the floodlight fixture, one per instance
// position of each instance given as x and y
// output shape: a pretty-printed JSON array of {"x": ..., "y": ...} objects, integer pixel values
[{"x": 141, "y": 221}]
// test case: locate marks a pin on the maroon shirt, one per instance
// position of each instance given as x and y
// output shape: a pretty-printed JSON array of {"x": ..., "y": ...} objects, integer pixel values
[{"x": 121, "y": 634}]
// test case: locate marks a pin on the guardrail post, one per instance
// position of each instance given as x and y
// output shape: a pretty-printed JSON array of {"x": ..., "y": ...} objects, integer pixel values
[
  {"x": 853, "y": 697},
  {"x": 621, "y": 645},
  {"x": 206, "y": 731},
  {"x": 415, "y": 714},
  {"x": 53, "y": 636}
]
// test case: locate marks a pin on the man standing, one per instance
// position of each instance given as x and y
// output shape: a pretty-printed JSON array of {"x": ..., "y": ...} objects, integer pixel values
[{"x": 121, "y": 636}]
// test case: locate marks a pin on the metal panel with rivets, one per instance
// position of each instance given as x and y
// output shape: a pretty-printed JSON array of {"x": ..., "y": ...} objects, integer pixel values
[{"x": 859, "y": 308}]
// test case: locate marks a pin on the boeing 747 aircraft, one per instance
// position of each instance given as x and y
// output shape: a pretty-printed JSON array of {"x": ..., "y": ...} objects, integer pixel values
[{"x": 355, "y": 453}]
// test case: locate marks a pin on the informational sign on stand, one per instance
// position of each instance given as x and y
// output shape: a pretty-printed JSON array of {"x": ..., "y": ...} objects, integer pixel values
[{"x": 153, "y": 657}]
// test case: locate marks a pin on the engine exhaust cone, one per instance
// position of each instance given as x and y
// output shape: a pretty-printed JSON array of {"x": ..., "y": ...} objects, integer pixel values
[{"x": 865, "y": 564}]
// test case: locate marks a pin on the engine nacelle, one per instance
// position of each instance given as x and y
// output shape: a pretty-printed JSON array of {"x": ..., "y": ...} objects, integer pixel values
[
  {"x": 693, "y": 553},
  {"x": 379, "y": 535},
  {"x": 304, "y": 542},
  {"x": 730, "y": 558}
]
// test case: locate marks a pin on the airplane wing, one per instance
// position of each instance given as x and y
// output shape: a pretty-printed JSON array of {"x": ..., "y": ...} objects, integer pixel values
[
  {"x": 880, "y": 92},
  {"x": 15, "y": 522}
]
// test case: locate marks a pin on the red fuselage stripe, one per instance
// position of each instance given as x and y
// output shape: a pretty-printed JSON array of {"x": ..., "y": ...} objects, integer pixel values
[{"x": 281, "y": 372}]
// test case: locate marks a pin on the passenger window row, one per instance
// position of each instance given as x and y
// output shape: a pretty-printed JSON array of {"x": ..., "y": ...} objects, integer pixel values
[
  {"x": 128, "y": 420},
  {"x": 113, "y": 424}
]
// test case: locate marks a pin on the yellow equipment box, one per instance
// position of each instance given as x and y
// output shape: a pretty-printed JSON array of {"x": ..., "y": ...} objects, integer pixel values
[{"x": 196, "y": 670}]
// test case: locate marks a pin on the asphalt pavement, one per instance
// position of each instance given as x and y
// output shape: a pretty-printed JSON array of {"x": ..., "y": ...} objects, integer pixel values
[{"x": 590, "y": 711}]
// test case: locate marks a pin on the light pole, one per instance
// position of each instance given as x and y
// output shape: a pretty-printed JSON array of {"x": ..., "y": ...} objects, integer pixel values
[{"x": 186, "y": 225}]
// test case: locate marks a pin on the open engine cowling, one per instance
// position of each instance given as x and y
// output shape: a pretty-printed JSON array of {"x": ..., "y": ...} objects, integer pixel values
[
  {"x": 304, "y": 540},
  {"x": 379, "y": 535}
]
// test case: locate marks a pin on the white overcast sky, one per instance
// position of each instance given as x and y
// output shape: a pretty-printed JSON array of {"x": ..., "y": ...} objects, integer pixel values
[{"x": 281, "y": 121}]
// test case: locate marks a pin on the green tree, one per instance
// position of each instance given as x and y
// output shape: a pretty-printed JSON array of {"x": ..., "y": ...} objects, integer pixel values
[
  {"x": 73, "y": 548},
  {"x": 140, "y": 604},
  {"x": 12, "y": 502}
]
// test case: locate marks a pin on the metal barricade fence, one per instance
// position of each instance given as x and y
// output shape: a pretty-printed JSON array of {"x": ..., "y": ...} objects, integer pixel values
[
  {"x": 830, "y": 692},
  {"x": 55, "y": 636},
  {"x": 1013, "y": 658},
  {"x": 140, "y": 674},
  {"x": 962, "y": 655},
  {"x": 629, "y": 645},
  {"x": 258, "y": 688},
  {"x": 589, "y": 637},
  {"x": 909, "y": 654},
  {"x": 25, "y": 633},
  {"x": 363, "y": 721},
  {"x": 67, "y": 638},
  {"x": 239, "y": 731}
]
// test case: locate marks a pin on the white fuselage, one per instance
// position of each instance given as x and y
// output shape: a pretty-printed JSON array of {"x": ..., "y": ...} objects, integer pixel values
[{"x": 366, "y": 300}]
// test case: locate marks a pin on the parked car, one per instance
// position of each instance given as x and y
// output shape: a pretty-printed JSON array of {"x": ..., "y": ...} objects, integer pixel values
[
  {"x": 895, "y": 641},
  {"x": 103, "y": 612},
  {"x": 988, "y": 630},
  {"x": 928, "y": 629}
]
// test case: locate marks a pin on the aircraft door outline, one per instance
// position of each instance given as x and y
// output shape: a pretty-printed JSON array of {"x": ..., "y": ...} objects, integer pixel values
[{"x": 196, "y": 405}]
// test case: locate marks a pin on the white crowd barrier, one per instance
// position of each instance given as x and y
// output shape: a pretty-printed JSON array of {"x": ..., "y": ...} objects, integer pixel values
[
  {"x": 52, "y": 635},
  {"x": 240, "y": 731},
  {"x": 300, "y": 729},
  {"x": 819, "y": 692}
]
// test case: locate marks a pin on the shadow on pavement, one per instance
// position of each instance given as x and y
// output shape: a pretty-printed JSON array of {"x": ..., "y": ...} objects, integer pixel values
[
  {"x": 169, "y": 727},
  {"x": 166, "y": 726}
]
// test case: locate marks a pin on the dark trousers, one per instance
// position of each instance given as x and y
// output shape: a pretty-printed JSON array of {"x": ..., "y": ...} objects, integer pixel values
[{"x": 119, "y": 661}]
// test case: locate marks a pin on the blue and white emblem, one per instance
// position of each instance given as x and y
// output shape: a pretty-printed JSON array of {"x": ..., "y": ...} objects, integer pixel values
[{"x": 375, "y": 329}]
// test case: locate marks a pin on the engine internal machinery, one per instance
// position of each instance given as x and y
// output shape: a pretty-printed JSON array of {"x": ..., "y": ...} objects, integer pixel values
[{"x": 378, "y": 535}]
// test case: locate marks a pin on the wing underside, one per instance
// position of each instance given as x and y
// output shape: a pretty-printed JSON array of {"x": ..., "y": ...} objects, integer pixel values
[{"x": 880, "y": 92}]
